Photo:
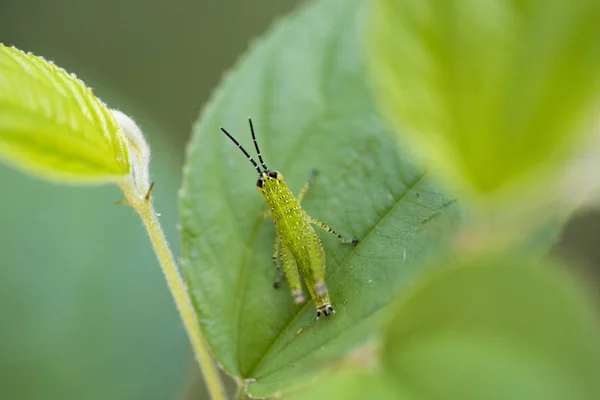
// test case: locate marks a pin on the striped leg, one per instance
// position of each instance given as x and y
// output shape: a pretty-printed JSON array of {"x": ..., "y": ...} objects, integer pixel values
[{"x": 321, "y": 225}]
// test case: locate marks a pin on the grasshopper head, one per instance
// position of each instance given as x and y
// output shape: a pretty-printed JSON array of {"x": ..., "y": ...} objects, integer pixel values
[{"x": 268, "y": 178}]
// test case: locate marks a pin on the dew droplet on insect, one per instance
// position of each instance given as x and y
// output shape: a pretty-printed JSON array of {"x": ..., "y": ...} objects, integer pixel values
[{"x": 370, "y": 280}]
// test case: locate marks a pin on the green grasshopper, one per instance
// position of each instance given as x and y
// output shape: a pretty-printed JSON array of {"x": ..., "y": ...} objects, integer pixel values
[{"x": 297, "y": 245}]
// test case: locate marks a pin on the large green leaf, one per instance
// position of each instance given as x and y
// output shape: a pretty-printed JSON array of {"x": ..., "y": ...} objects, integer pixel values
[
  {"x": 305, "y": 86},
  {"x": 492, "y": 93},
  {"x": 495, "y": 329},
  {"x": 53, "y": 126}
]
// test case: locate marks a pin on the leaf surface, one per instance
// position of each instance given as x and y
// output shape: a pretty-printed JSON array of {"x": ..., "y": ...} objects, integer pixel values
[{"x": 304, "y": 84}]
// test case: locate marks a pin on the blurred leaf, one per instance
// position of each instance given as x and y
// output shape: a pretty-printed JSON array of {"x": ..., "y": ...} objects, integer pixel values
[
  {"x": 495, "y": 329},
  {"x": 491, "y": 92},
  {"x": 352, "y": 384},
  {"x": 52, "y": 125},
  {"x": 306, "y": 91},
  {"x": 84, "y": 309}
]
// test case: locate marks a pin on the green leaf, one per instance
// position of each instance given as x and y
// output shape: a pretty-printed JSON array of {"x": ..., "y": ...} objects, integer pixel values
[
  {"x": 51, "y": 124},
  {"x": 354, "y": 383},
  {"x": 305, "y": 86},
  {"x": 492, "y": 93},
  {"x": 495, "y": 329}
]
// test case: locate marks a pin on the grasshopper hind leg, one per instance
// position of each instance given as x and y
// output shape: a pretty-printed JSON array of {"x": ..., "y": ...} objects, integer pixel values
[
  {"x": 322, "y": 301},
  {"x": 290, "y": 269}
]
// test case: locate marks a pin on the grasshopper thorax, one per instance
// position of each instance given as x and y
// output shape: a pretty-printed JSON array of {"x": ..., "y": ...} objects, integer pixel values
[{"x": 268, "y": 178}]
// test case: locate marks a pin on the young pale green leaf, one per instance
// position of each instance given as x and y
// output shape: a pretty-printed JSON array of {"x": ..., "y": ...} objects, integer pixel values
[
  {"x": 52, "y": 125},
  {"x": 495, "y": 329},
  {"x": 492, "y": 93},
  {"x": 305, "y": 86}
]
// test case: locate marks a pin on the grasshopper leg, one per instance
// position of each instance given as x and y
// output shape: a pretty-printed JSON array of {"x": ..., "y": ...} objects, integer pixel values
[
  {"x": 265, "y": 214},
  {"x": 277, "y": 262},
  {"x": 328, "y": 229},
  {"x": 315, "y": 221},
  {"x": 290, "y": 269},
  {"x": 304, "y": 189}
]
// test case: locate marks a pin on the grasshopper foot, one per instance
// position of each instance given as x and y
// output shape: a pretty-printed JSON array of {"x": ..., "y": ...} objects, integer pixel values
[{"x": 326, "y": 310}]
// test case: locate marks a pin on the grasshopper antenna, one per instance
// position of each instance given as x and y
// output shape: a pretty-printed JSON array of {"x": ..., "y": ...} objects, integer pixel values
[
  {"x": 243, "y": 150},
  {"x": 256, "y": 146}
]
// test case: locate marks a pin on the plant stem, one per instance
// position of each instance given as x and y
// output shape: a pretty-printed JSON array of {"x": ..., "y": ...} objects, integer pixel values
[
  {"x": 143, "y": 206},
  {"x": 241, "y": 393}
]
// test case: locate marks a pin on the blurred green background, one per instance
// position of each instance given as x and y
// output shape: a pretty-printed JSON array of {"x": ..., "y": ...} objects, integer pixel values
[{"x": 84, "y": 310}]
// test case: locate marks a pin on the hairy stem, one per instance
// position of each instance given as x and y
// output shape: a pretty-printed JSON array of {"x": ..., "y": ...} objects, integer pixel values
[
  {"x": 241, "y": 393},
  {"x": 143, "y": 206}
]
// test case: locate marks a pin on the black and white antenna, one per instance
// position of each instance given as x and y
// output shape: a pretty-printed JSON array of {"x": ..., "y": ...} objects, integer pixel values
[
  {"x": 244, "y": 150},
  {"x": 256, "y": 146}
]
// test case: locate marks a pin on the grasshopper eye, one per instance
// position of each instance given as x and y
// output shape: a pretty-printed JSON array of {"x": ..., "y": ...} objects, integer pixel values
[
  {"x": 275, "y": 175},
  {"x": 259, "y": 183}
]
